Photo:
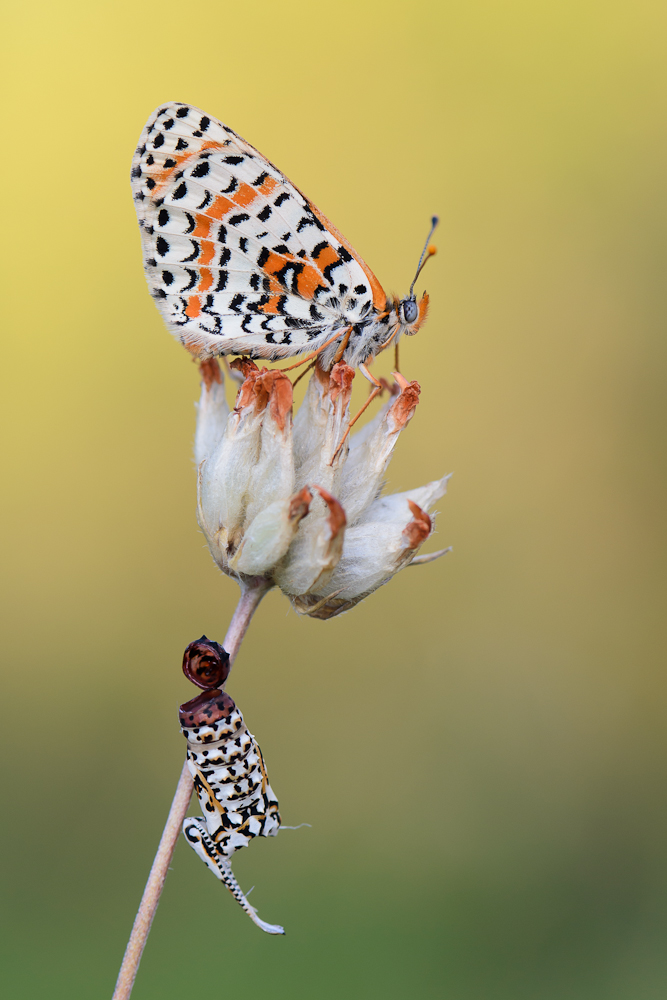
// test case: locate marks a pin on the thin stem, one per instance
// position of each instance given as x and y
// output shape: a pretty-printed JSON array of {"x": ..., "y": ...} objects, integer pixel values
[{"x": 251, "y": 594}]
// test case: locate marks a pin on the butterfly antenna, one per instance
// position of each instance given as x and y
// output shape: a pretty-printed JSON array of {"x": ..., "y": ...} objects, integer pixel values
[{"x": 427, "y": 252}]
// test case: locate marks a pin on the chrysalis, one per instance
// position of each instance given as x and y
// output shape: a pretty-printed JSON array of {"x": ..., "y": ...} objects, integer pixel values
[{"x": 228, "y": 771}]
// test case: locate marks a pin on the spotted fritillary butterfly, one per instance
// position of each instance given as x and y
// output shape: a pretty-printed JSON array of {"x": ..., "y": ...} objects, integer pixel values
[{"x": 239, "y": 261}]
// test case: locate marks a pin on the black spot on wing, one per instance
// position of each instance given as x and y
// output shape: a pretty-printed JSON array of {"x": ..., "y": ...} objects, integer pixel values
[
  {"x": 201, "y": 169},
  {"x": 195, "y": 252}
]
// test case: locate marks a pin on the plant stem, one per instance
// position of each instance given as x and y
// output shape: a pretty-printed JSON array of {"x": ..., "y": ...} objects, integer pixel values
[{"x": 252, "y": 593}]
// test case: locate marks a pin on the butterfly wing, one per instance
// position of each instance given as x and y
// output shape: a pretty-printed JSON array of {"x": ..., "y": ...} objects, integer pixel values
[{"x": 237, "y": 259}]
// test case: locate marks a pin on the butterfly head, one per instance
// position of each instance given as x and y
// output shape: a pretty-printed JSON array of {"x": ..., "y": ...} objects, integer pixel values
[{"x": 411, "y": 314}]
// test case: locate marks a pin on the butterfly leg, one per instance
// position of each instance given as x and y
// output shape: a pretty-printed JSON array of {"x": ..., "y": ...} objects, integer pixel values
[
  {"x": 375, "y": 391},
  {"x": 396, "y": 365},
  {"x": 198, "y": 838},
  {"x": 314, "y": 354},
  {"x": 303, "y": 373},
  {"x": 343, "y": 344}
]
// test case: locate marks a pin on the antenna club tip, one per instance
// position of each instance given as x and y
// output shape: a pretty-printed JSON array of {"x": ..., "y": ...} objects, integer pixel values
[{"x": 435, "y": 219}]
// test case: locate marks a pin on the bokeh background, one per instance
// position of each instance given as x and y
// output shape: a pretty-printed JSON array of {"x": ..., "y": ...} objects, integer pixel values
[{"x": 480, "y": 747}]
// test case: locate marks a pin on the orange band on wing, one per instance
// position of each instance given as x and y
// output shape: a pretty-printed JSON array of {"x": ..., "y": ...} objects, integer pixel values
[
  {"x": 161, "y": 177},
  {"x": 379, "y": 297},
  {"x": 205, "y": 281},
  {"x": 326, "y": 256},
  {"x": 308, "y": 281},
  {"x": 207, "y": 252},
  {"x": 220, "y": 207},
  {"x": 244, "y": 195},
  {"x": 272, "y": 305},
  {"x": 194, "y": 307},
  {"x": 267, "y": 187},
  {"x": 203, "y": 227}
]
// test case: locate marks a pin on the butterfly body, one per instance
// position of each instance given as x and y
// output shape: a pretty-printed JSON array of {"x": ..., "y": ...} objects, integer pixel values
[{"x": 239, "y": 261}]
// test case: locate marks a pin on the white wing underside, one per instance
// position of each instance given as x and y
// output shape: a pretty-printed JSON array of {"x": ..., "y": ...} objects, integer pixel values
[{"x": 236, "y": 257}]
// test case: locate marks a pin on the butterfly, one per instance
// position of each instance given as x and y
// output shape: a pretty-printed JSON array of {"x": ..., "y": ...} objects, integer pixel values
[{"x": 239, "y": 261}]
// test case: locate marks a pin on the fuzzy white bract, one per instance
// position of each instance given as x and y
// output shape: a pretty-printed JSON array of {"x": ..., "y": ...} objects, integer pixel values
[{"x": 279, "y": 499}]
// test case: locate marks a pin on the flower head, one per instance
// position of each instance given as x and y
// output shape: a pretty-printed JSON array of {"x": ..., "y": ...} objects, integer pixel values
[{"x": 279, "y": 498}]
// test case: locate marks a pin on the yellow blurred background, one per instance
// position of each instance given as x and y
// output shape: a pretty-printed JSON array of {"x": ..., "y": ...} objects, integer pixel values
[{"x": 479, "y": 747}]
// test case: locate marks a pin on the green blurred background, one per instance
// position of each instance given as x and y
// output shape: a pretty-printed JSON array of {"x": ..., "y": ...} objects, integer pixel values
[{"x": 480, "y": 747}]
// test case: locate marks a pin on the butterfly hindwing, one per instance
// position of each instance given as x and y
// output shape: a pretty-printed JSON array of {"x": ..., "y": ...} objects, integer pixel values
[{"x": 238, "y": 260}]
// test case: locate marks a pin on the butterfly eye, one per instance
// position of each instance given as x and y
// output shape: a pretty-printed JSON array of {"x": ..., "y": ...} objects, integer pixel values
[{"x": 410, "y": 310}]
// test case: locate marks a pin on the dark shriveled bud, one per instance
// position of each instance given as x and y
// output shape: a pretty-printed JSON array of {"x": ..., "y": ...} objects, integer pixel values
[{"x": 206, "y": 663}]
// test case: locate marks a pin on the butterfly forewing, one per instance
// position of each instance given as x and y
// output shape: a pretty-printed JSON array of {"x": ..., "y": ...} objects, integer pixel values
[{"x": 236, "y": 257}]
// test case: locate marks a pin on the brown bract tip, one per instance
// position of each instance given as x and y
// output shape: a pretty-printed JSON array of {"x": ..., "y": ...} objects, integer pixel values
[
  {"x": 299, "y": 504},
  {"x": 278, "y": 388},
  {"x": 210, "y": 372},
  {"x": 402, "y": 410},
  {"x": 245, "y": 366},
  {"x": 337, "y": 519},
  {"x": 419, "y": 528},
  {"x": 265, "y": 388},
  {"x": 340, "y": 380},
  {"x": 250, "y": 371}
]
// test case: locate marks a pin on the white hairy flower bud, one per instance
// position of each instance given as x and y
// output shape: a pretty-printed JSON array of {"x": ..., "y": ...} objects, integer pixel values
[{"x": 286, "y": 502}]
